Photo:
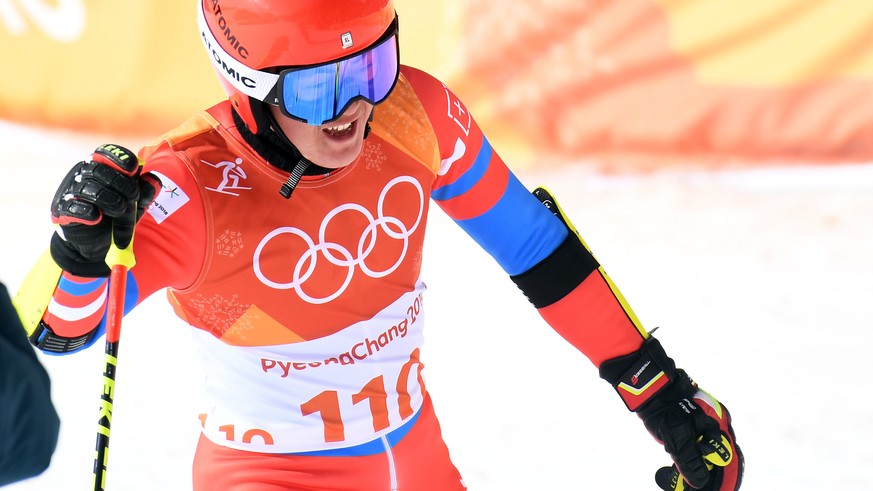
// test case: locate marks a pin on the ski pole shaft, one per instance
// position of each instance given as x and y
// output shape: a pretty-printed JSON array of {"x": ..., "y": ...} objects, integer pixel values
[{"x": 119, "y": 261}]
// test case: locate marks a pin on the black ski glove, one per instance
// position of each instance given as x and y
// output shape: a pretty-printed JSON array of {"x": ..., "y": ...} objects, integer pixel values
[
  {"x": 99, "y": 200},
  {"x": 693, "y": 426}
]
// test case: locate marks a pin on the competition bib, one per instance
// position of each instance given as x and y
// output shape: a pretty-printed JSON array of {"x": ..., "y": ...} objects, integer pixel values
[{"x": 333, "y": 392}]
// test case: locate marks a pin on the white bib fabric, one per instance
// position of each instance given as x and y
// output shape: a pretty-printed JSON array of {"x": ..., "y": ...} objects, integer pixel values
[{"x": 332, "y": 392}]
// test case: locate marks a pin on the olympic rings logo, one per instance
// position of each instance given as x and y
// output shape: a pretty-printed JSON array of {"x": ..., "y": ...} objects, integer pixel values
[{"x": 338, "y": 255}]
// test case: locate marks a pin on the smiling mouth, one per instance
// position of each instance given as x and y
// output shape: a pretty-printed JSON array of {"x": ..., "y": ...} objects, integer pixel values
[{"x": 340, "y": 129}]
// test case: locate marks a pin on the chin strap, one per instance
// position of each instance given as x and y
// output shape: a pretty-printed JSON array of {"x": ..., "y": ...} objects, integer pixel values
[
  {"x": 369, "y": 120},
  {"x": 272, "y": 130},
  {"x": 299, "y": 169},
  {"x": 296, "y": 173}
]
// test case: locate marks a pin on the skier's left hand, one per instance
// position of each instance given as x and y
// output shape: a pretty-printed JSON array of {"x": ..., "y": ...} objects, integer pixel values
[
  {"x": 696, "y": 431},
  {"x": 694, "y": 428}
]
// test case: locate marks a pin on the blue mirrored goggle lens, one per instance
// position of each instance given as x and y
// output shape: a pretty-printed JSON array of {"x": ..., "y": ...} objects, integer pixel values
[{"x": 321, "y": 93}]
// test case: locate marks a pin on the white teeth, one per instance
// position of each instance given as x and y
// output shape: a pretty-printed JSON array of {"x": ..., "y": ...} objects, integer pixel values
[{"x": 340, "y": 128}]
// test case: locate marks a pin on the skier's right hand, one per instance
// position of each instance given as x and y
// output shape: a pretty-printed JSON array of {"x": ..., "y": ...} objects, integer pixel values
[{"x": 99, "y": 201}]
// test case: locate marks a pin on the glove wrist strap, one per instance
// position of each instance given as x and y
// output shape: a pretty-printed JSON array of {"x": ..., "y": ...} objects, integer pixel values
[
  {"x": 74, "y": 263},
  {"x": 639, "y": 376}
]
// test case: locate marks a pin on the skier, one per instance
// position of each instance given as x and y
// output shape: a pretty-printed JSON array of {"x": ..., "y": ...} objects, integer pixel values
[
  {"x": 286, "y": 224},
  {"x": 28, "y": 422}
]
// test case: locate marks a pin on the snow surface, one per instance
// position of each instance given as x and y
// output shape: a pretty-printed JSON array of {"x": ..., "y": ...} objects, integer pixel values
[{"x": 759, "y": 278}]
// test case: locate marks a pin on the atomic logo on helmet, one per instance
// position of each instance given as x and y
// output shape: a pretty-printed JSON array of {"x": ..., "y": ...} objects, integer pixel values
[{"x": 278, "y": 52}]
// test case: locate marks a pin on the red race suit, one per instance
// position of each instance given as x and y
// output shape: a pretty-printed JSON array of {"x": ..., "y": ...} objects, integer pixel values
[{"x": 308, "y": 312}]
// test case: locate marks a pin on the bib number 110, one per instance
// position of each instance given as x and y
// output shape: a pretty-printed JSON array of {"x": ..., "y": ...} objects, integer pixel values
[{"x": 327, "y": 403}]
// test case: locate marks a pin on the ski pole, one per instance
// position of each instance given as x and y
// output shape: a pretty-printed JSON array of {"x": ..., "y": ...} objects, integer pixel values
[{"x": 119, "y": 261}]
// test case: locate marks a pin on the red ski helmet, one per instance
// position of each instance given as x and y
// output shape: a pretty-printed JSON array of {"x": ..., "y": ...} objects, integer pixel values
[{"x": 251, "y": 41}]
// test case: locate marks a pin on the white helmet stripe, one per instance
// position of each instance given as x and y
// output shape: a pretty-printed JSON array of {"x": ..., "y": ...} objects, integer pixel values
[{"x": 251, "y": 82}]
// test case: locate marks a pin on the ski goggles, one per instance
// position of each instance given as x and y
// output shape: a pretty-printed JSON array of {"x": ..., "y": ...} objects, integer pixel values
[{"x": 317, "y": 94}]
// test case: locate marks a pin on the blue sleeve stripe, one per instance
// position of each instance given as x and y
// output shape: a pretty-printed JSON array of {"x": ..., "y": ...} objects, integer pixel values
[
  {"x": 518, "y": 231},
  {"x": 470, "y": 178},
  {"x": 80, "y": 289},
  {"x": 131, "y": 297}
]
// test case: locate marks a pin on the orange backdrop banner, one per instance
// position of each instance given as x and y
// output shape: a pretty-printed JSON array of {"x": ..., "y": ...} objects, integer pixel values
[
  {"x": 133, "y": 66},
  {"x": 781, "y": 79}
]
